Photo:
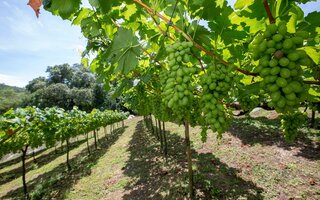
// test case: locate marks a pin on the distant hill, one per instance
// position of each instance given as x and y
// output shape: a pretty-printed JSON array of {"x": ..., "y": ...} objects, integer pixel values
[
  {"x": 17, "y": 89},
  {"x": 11, "y": 97}
]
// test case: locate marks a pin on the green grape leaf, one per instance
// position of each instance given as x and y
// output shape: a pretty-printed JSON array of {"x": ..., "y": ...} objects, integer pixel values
[
  {"x": 296, "y": 14},
  {"x": 127, "y": 61},
  {"x": 169, "y": 7},
  {"x": 82, "y": 14},
  {"x": 229, "y": 36},
  {"x": 205, "y": 9},
  {"x": 124, "y": 84},
  {"x": 129, "y": 10},
  {"x": 312, "y": 53},
  {"x": 236, "y": 51},
  {"x": 104, "y": 5},
  {"x": 85, "y": 62},
  {"x": 304, "y": 1},
  {"x": 90, "y": 27},
  {"x": 146, "y": 77},
  {"x": 161, "y": 53},
  {"x": 241, "y": 4},
  {"x": 125, "y": 48},
  {"x": 313, "y": 96},
  {"x": 313, "y": 19},
  {"x": 311, "y": 23},
  {"x": 94, "y": 3},
  {"x": 94, "y": 64},
  {"x": 254, "y": 10},
  {"x": 64, "y": 8},
  {"x": 252, "y": 25},
  {"x": 199, "y": 33}
]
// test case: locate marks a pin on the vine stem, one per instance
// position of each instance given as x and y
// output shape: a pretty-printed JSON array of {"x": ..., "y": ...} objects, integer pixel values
[
  {"x": 312, "y": 82},
  {"x": 143, "y": 49},
  {"x": 189, "y": 38},
  {"x": 165, "y": 33},
  {"x": 157, "y": 24},
  {"x": 267, "y": 8}
]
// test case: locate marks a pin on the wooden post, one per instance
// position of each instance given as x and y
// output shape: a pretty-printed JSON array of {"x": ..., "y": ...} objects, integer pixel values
[
  {"x": 34, "y": 156},
  {"x": 151, "y": 124},
  {"x": 88, "y": 143},
  {"x": 95, "y": 138},
  {"x": 189, "y": 156},
  {"x": 68, "y": 163},
  {"x": 165, "y": 140},
  {"x": 312, "y": 122},
  {"x": 23, "y": 157},
  {"x": 160, "y": 134}
]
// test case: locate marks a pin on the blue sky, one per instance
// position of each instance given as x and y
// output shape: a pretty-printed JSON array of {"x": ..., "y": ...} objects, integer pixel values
[{"x": 28, "y": 45}]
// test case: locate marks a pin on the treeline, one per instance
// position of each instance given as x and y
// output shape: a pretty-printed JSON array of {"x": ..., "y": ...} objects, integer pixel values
[
  {"x": 65, "y": 86},
  {"x": 11, "y": 97}
]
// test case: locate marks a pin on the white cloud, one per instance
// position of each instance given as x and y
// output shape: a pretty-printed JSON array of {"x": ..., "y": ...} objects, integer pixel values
[{"x": 13, "y": 80}]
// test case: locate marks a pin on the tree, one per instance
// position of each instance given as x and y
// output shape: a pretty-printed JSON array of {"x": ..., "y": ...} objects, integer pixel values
[
  {"x": 60, "y": 74},
  {"x": 11, "y": 97},
  {"x": 36, "y": 84},
  {"x": 83, "y": 98},
  {"x": 82, "y": 77},
  {"x": 68, "y": 86},
  {"x": 53, "y": 95}
]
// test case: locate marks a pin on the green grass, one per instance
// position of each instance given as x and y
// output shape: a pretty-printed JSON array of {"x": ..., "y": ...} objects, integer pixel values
[{"x": 251, "y": 161}]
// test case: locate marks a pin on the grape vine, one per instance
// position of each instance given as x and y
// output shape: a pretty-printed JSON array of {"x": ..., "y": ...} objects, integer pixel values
[{"x": 32, "y": 127}]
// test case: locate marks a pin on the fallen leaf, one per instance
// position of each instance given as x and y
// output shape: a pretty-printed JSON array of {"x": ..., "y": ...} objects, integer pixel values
[{"x": 35, "y": 5}]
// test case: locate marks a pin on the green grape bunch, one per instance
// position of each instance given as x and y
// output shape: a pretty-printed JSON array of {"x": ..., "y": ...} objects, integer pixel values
[
  {"x": 290, "y": 122},
  {"x": 280, "y": 63},
  {"x": 216, "y": 84},
  {"x": 177, "y": 80}
]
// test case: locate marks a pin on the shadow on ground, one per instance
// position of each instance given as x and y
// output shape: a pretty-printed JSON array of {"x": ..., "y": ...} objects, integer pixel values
[
  {"x": 157, "y": 180},
  {"x": 55, "y": 184},
  {"x": 40, "y": 161},
  {"x": 267, "y": 132},
  {"x": 17, "y": 159}
]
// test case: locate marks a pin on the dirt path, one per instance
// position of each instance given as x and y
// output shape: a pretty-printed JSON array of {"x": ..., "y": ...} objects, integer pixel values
[{"x": 106, "y": 176}]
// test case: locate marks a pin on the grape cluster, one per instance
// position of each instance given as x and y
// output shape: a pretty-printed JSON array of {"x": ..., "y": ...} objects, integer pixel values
[
  {"x": 280, "y": 65},
  {"x": 290, "y": 122},
  {"x": 177, "y": 80},
  {"x": 216, "y": 84}
]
